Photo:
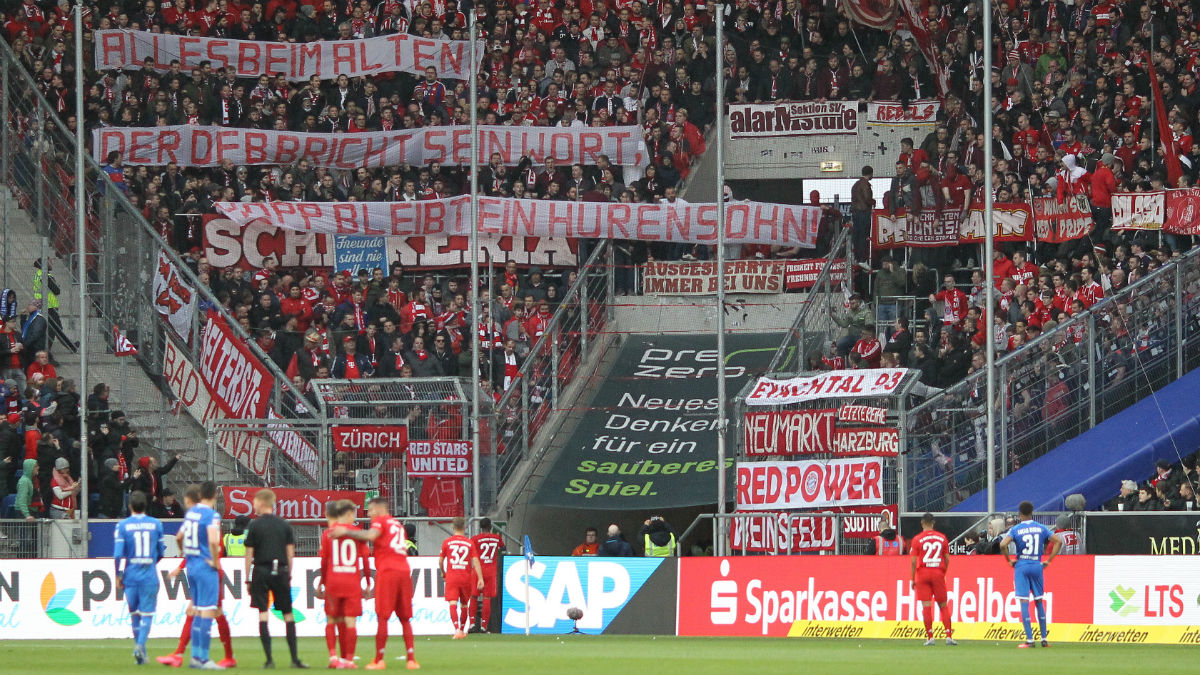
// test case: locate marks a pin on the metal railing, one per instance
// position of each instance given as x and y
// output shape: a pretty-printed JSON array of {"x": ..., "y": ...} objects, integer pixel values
[
  {"x": 814, "y": 327},
  {"x": 42, "y": 538},
  {"x": 573, "y": 333},
  {"x": 1073, "y": 377},
  {"x": 37, "y": 150},
  {"x": 771, "y": 533}
]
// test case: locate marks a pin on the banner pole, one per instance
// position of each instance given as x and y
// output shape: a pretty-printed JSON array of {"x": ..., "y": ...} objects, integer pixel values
[
  {"x": 476, "y": 507},
  {"x": 719, "y": 546},
  {"x": 81, "y": 271},
  {"x": 989, "y": 263}
]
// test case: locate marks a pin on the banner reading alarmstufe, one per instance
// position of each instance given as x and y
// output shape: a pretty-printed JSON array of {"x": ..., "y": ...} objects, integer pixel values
[
  {"x": 746, "y": 222},
  {"x": 128, "y": 49},
  {"x": 190, "y": 145}
]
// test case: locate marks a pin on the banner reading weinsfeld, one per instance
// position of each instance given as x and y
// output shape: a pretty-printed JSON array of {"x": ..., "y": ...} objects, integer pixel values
[
  {"x": 746, "y": 222},
  {"x": 290, "y": 503},
  {"x": 201, "y": 146},
  {"x": 391, "y": 438},
  {"x": 439, "y": 459},
  {"x": 128, "y": 49},
  {"x": 700, "y": 278},
  {"x": 775, "y": 486},
  {"x": 832, "y": 384}
]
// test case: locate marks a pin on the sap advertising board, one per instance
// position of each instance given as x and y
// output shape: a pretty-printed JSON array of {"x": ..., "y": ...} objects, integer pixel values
[
  {"x": 653, "y": 443},
  {"x": 630, "y": 596}
]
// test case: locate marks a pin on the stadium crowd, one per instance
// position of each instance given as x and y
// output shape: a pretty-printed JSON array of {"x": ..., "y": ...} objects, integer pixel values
[{"x": 1072, "y": 115}]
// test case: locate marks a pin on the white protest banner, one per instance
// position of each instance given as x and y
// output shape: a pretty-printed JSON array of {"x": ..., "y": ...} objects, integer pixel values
[
  {"x": 895, "y": 112},
  {"x": 1139, "y": 210},
  {"x": 128, "y": 49},
  {"x": 757, "y": 120},
  {"x": 200, "y": 146},
  {"x": 746, "y": 222},
  {"x": 174, "y": 298},
  {"x": 809, "y": 484},
  {"x": 832, "y": 384},
  {"x": 700, "y": 278}
]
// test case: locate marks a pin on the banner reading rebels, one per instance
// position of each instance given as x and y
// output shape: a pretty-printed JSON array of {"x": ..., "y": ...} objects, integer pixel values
[
  {"x": 206, "y": 146},
  {"x": 400, "y": 52}
]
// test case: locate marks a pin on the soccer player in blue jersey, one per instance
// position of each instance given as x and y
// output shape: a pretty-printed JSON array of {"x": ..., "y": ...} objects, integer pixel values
[
  {"x": 1032, "y": 540},
  {"x": 137, "y": 548},
  {"x": 200, "y": 540}
]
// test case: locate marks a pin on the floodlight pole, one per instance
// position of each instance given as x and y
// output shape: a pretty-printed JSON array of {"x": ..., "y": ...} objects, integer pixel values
[
  {"x": 719, "y": 546},
  {"x": 989, "y": 263},
  {"x": 81, "y": 271},
  {"x": 476, "y": 310}
]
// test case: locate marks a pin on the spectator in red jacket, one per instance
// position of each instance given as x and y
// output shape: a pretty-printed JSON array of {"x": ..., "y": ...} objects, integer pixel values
[{"x": 1104, "y": 183}]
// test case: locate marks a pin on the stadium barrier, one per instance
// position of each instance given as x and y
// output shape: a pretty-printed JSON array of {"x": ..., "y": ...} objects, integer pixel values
[{"x": 1090, "y": 599}]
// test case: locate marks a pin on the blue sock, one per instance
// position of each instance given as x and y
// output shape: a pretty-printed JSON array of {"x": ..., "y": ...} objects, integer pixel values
[
  {"x": 144, "y": 631},
  {"x": 202, "y": 629},
  {"x": 1025, "y": 621},
  {"x": 135, "y": 621},
  {"x": 1041, "y": 615}
]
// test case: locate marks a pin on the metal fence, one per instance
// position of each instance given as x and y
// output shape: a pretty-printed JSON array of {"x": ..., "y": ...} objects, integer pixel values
[
  {"x": 814, "y": 328},
  {"x": 779, "y": 534},
  {"x": 37, "y": 152},
  {"x": 41, "y": 539},
  {"x": 1067, "y": 381}
]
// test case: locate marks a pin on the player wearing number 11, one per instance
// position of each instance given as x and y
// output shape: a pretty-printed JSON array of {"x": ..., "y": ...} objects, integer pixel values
[
  {"x": 930, "y": 560},
  {"x": 1032, "y": 539},
  {"x": 137, "y": 548}
]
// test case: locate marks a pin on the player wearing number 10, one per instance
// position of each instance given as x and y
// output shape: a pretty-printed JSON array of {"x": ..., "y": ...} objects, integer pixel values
[
  {"x": 137, "y": 548},
  {"x": 930, "y": 560},
  {"x": 1032, "y": 539}
]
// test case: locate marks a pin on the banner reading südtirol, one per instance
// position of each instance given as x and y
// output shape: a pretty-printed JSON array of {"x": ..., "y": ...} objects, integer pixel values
[{"x": 650, "y": 439}]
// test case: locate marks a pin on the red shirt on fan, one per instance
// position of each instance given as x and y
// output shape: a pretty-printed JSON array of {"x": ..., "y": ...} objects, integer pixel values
[
  {"x": 391, "y": 547},
  {"x": 869, "y": 350},
  {"x": 343, "y": 564},
  {"x": 956, "y": 306},
  {"x": 930, "y": 549}
]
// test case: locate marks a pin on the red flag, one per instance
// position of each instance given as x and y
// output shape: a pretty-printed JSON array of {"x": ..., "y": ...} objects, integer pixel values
[
  {"x": 1170, "y": 152},
  {"x": 121, "y": 344},
  {"x": 911, "y": 11}
]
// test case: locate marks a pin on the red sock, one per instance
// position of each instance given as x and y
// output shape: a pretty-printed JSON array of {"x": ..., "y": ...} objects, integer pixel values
[
  {"x": 472, "y": 606},
  {"x": 408, "y": 638},
  {"x": 946, "y": 621},
  {"x": 454, "y": 618},
  {"x": 186, "y": 636},
  {"x": 226, "y": 639},
  {"x": 331, "y": 637},
  {"x": 349, "y": 640},
  {"x": 466, "y": 618},
  {"x": 487, "y": 613},
  {"x": 927, "y": 615},
  {"x": 381, "y": 638}
]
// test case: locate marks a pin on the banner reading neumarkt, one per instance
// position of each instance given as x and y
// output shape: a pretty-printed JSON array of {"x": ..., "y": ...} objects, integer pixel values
[{"x": 651, "y": 440}]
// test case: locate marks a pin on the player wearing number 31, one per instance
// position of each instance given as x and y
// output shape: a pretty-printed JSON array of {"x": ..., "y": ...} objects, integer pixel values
[
  {"x": 137, "y": 548},
  {"x": 930, "y": 560},
  {"x": 1031, "y": 539}
]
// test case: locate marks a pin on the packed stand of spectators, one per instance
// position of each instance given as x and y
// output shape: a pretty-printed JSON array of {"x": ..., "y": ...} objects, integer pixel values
[{"x": 1172, "y": 487}]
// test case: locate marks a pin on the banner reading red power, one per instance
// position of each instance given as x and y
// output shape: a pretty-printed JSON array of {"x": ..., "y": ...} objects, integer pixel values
[
  {"x": 765, "y": 595},
  {"x": 370, "y": 437},
  {"x": 239, "y": 383},
  {"x": 769, "y": 486},
  {"x": 290, "y": 504}
]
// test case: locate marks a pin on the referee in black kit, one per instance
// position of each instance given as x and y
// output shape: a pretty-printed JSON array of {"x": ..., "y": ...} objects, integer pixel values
[{"x": 270, "y": 547}]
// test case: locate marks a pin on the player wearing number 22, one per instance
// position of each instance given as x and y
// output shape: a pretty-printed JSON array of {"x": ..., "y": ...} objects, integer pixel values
[
  {"x": 459, "y": 562},
  {"x": 137, "y": 548},
  {"x": 1033, "y": 539},
  {"x": 344, "y": 569},
  {"x": 930, "y": 560}
]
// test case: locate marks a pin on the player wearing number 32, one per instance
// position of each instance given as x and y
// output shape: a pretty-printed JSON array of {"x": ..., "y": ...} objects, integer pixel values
[
  {"x": 930, "y": 560},
  {"x": 1032, "y": 539},
  {"x": 137, "y": 548},
  {"x": 458, "y": 559}
]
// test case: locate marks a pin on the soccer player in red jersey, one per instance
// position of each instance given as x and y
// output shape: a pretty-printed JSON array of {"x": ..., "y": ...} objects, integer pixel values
[
  {"x": 343, "y": 568},
  {"x": 489, "y": 546},
  {"x": 457, "y": 561},
  {"x": 930, "y": 560},
  {"x": 393, "y": 581}
]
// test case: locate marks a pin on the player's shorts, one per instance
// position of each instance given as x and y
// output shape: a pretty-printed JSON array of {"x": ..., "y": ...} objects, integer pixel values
[
  {"x": 205, "y": 584},
  {"x": 1028, "y": 580},
  {"x": 931, "y": 585},
  {"x": 142, "y": 599},
  {"x": 393, "y": 595},
  {"x": 264, "y": 585},
  {"x": 343, "y": 604},
  {"x": 491, "y": 586},
  {"x": 459, "y": 587}
]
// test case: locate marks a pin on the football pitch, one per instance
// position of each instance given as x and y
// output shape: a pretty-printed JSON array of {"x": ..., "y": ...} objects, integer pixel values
[{"x": 614, "y": 655}]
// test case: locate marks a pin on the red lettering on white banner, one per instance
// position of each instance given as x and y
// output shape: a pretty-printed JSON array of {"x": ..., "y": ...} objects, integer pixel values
[
  {"x": 809, "y": 484},
  {"x": 700, "y": 278},
  {"x": 832, "y": 384}
]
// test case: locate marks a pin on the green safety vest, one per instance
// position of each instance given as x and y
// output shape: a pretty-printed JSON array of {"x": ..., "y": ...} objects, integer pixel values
[
  {"x": 235, "y": 545},
  {"x": 51, "y": 298},
  {"x": 655, "y": 551}
]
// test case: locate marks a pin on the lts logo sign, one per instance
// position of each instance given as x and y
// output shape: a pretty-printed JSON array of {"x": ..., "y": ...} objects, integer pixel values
[
  {"x": 601, "y": 588},
  {"x": 1146, "y": 590}
]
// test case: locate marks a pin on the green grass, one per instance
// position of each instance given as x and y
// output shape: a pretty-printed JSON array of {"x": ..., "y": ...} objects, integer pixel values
[{"x": 618, "y": 655}]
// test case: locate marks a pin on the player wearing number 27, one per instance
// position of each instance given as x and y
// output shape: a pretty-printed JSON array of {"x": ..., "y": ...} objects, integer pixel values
[
  {"x": 930, "y": 560},
  {"x": 137, "y": 548},
  {"x": 1032, "y": 540},
  {"x": 458, "y": 559}
]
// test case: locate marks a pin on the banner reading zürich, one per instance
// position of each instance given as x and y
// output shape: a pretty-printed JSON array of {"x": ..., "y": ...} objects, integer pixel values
[{"x": 652, "y": 441}]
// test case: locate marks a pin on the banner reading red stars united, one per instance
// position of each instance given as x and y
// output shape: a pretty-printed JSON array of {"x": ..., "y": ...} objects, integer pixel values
[
  {"x": 746, "y": 222},
  {"x": 128, "y": 49},
  {"x": 200, "y": 146}
]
